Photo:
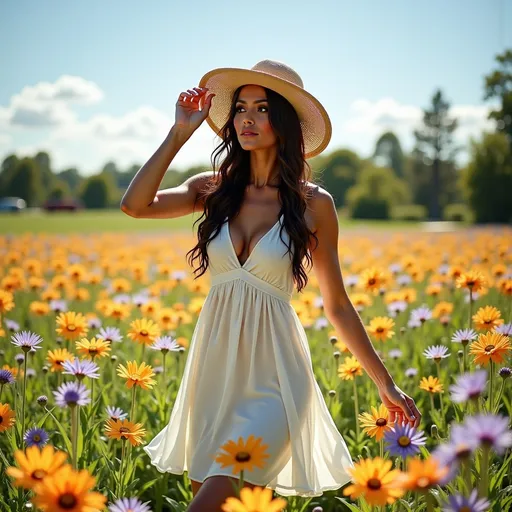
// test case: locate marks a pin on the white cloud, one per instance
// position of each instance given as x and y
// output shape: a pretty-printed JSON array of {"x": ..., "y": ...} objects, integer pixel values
[
  {"x": 49, "y": 104},
  {"x": 368, "y": 120},
  {"x": 134, "y": 136}
]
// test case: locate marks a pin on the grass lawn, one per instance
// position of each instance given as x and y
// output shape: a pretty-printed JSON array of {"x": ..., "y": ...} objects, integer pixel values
[{"x": 88, "y": 221}]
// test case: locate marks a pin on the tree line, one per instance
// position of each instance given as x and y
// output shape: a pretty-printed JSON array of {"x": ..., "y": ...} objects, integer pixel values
[{"x": 423, "y": 184}]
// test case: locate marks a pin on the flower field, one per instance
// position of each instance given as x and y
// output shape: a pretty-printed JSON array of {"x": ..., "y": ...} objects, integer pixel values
[{"x": 95, "y": 330}]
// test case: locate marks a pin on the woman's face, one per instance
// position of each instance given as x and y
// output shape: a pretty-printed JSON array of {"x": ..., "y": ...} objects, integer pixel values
[{"x": 251, "y": 114}]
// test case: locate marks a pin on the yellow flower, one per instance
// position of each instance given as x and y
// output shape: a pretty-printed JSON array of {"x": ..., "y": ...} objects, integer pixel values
[
  {"x": 71, "y": 325},
  {"x": 6, "y": 301},
  {"x": 254, "y": 500},
  {"x": 490, "y": 346},
  {"x": 381, "y": 326},
  {"x": 472, "y": 280},
  {"x": 144, "y": 330},
  {"x": 432, "y": 384},
  {"x": 7, "y": 416},
  {"x": 375, "y": 480},
  {"x": 93, "y": 348},
  {"x": 35, "y": 464},
  {"x": 377, "y": 423},
  {"x": 422, "y": 474},
  {"x": 373, "y": 279},
  {"x": 124, "y": 429},
  {"x": 57, "y": 357},
  {"x": 243, "y": 455},
  {"x": 350, "y": 368},
  {"x": 137, "y": 375},
  {"x": 68, "y": 490},
  {"x": 487, "y": 318}
]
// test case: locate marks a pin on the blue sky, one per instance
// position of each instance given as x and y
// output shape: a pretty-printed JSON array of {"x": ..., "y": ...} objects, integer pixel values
[{"x": 93, "y": 81}]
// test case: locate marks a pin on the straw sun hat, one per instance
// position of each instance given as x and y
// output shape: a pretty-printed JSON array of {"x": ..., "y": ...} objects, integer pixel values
[{"x": 314, "y": 121}]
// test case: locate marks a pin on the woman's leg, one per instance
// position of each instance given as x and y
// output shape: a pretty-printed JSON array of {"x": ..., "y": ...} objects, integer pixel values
[{"x": 213, "y": 493}]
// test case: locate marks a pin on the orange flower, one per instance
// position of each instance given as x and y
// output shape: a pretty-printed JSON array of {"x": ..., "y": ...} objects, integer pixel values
[
  {"x": 487, "y": 318},
  {"x": 350, "y": 368},
  {"x": 432, "y": 384},
  {"x": 375, "y": 480},
  {"x": 243, "y": 455},
  {"x": 491, "y": 346},
  {"x": 7, "y": 416},
  {"x": 472, "y": 280},
  {"x": 57, "y": 357},
  {"x": 377, "y": 423},
  {"x": 381, "y": 326},
  {"x": 422, "y": 474},
  {"x": 137, "y": 375},
  {"x": 93, "y": 348},
  {"x": 124, "y": 429},
  {"x": 35, "y": 464},
  {"x": 144, "y": 331},
  {"x": 71, "y": 325}
]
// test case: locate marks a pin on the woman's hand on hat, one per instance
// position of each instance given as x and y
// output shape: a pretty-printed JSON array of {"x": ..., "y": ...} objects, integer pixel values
[{"x": 192, "y": 108}]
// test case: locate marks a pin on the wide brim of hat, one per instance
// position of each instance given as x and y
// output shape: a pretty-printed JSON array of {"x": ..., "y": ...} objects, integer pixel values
[{"x": 314, "y": 120}]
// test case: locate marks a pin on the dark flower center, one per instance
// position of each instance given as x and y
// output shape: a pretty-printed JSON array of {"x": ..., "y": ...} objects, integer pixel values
[
  {"x": 374, "y": 484},
  {"x": 37, "y": 438},
  {"x": 371, "y": 281},
  {"x": 71, "y": 327},
  {"x": 404, "y": 441},
  {"x": 124, "y": 430},
  {"x": 67, "y": 501},
  {"x": 144, "y": 332},
  {"x": 38, "y": 474},
  {"x": 489, "y": 348},
  {"x": 381, "y": 422},
  {"x": 380, "y": 329},
  {"x": 1, "y": 419},
  {"x": 243, "y": 457}
]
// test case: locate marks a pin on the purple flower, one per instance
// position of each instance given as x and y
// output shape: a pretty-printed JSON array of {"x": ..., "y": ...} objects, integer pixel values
[
  {"x": 116, "y": 413},
  {"x": 489, "y": 430},
  {"x": 397, "y": 306},
  {"x": 94, "y": 323},
  {"x": 422, "y": 314},
  {"x": 58, "y": 305},
  {"x": 164, "y": 344},
  {"x": 19, "y": 358},
  {"x": 36, "y": 436},
  {"x": 404, "y": 440},
  {"x": 505, "y": 372},
  {"x": 413, "y": 323},
  {"x": 469, "y": 386},
  {"x": 395, "y": 353},
  {"x": 457, "y": 449},
  {"x": 436, "y": 352},
  {"x": 6, "y": 377},
  {"x": 110, "y": 334},
  {"x": 81, "y": 368},
  {"x": 71, "y": 394},
  {"x": 27, "y": 340},
  {"x": 505, "y": 329},
  {"x": 459, "y": 503},
  {"x": 464, "y": 336},
  {"x": 12, "y": 325},
  {"x": 403, "y": 279},
  {"x": 411, "y": 372},
  {"x": 129, "y": 505}
]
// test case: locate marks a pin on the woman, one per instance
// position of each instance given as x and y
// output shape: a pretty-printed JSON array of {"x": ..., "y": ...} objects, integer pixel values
[{"x": 249, "y": 368}]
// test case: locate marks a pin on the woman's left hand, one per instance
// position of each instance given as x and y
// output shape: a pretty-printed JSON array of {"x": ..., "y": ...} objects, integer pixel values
[{"x": 401, "y": 407}]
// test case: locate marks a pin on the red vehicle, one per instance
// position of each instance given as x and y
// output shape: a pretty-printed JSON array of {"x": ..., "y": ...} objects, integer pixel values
[{"x": 69, "y": 204}]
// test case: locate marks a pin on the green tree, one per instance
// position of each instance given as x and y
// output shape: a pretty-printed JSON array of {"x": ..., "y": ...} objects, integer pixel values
[
  {"x": 7, "y": 171},
  {"x": 60, "y": 190},
  {"x": 434, "y": 141},
  {"x": 376, "y": 190},
  {"x": 72, "y": 177},
  {"x": 337, "y": 172},
  {"x": 488, "y": 178},
  {"x": 388, "y": 153},
  {"x": 26, "y": 182},
  {"x": 498, "y": 84},
  {"x": 97, "y": 191}
]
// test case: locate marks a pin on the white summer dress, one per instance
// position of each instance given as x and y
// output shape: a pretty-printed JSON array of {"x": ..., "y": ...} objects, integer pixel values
[{"x": 249, "y": 371}]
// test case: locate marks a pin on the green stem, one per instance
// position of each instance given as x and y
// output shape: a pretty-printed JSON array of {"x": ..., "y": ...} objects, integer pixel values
[
  {"x": 430, "y": 502},
  {"x": 500, "y": 392},
  {"x": 356, "y": 407},
  {"x": 24, "y": 393},
  {"x": 74, "y": 434},
  {"x": 484, "y": 472},
  {"x": 381, "y": 443},
  {"x": 466, "y": 465},
  {"x": 491, "y": 386},
  {"x": 440, "y": 395},
  {"x": 120, "y": 490},
  {"x": 241, "y": 484},
  {"x": 132, "y": 407}
]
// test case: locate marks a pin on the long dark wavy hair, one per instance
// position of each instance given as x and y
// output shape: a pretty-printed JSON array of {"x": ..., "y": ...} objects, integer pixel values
[{"x": 223, "y": 194}]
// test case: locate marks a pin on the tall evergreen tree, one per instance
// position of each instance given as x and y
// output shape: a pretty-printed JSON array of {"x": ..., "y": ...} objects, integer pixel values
[
  {"x": 388, "y": 152},
  {"x": 435, "y": 140}
]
